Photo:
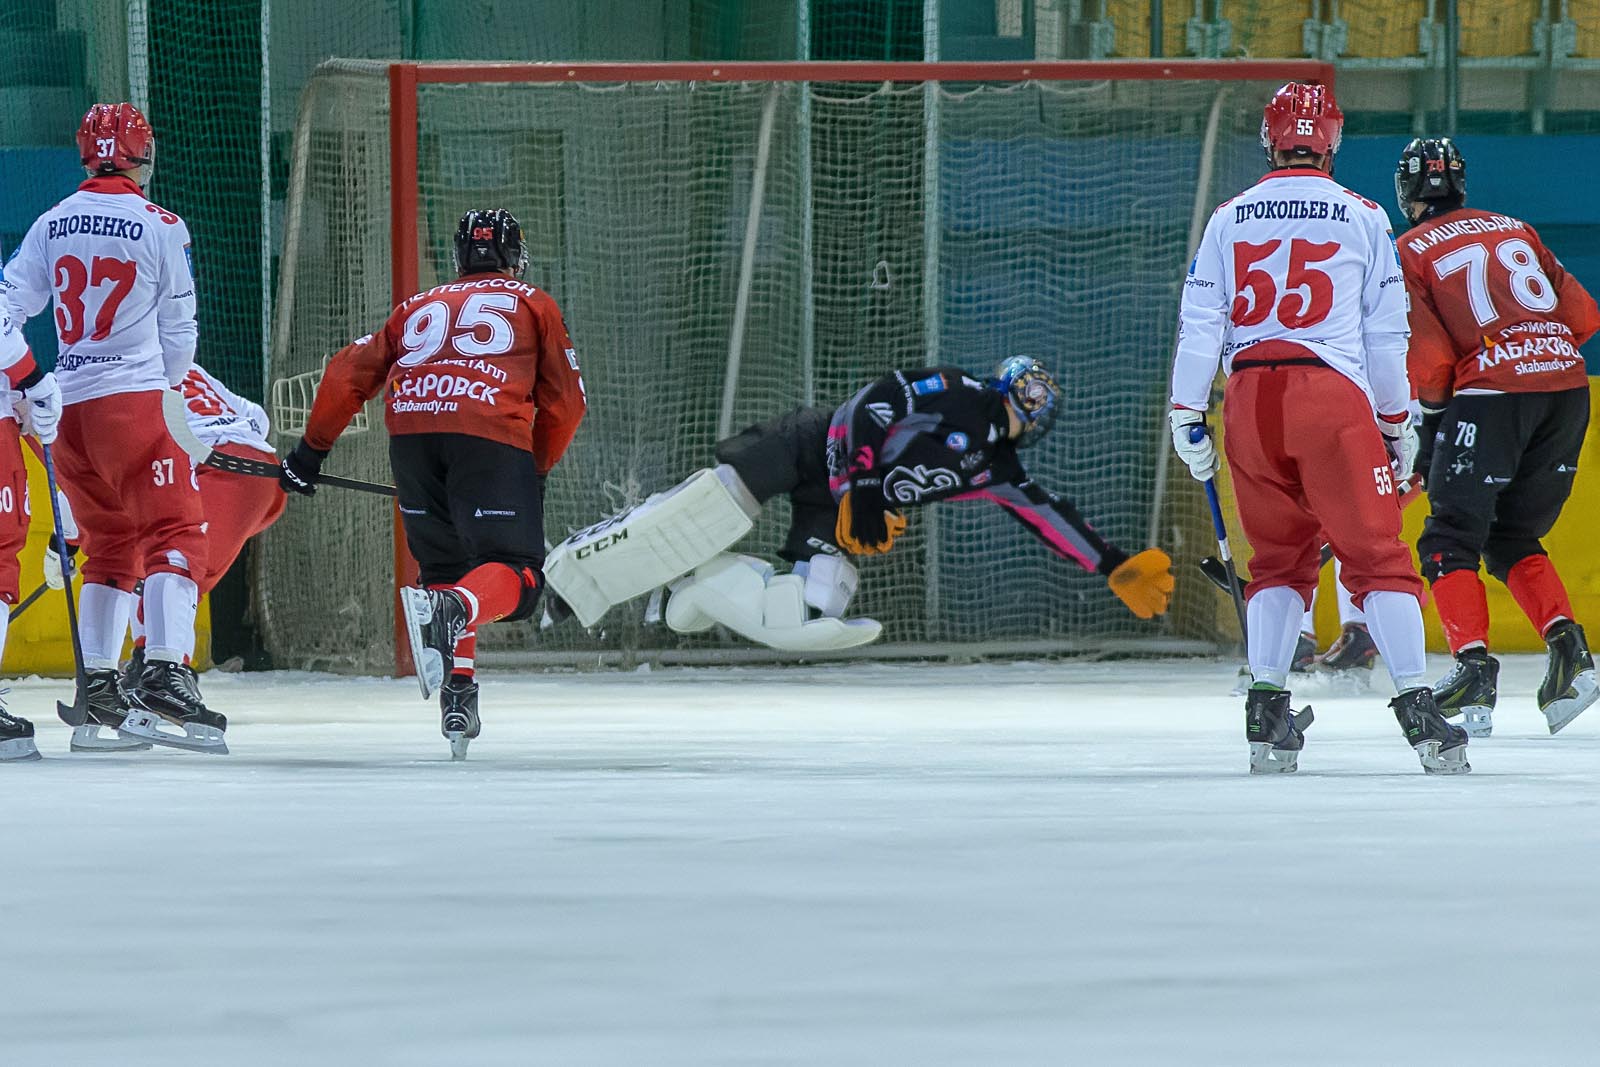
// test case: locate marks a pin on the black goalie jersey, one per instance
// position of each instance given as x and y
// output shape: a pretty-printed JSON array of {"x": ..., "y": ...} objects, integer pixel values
[{"x": 937, "y": 433}]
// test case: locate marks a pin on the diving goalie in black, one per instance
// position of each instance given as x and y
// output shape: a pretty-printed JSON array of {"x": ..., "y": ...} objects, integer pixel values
[{"x": 910, "y": 438}]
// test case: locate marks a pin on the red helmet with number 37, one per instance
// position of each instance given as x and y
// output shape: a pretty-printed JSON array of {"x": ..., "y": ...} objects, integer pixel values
[
  {"x": 115, "y": 137},
  {"x": 1302, "y": 118}
]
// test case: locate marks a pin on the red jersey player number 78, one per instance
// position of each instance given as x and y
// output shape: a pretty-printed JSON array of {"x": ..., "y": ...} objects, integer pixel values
[{"x": 1296, "y": 291}]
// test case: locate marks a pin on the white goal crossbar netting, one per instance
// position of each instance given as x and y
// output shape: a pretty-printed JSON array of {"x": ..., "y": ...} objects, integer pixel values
[{"x": 897, "y": 223}]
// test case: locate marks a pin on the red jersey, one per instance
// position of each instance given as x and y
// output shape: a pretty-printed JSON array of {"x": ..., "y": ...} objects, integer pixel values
[
  {"x": 1492, "y": 309},
  {"x": 485, "y": 355}
]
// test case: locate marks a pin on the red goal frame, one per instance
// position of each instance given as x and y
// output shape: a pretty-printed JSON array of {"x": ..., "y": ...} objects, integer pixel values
[{"x": 404, "y": 135}]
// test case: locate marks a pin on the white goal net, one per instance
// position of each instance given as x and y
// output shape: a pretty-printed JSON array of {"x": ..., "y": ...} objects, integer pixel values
[{"x": 726, "y": 250}]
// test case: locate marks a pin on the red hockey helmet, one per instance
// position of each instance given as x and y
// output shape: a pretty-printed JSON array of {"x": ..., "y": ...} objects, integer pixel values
[
  {"x": 115, "y": 137},
  {"x": 1303, "y": 118}
]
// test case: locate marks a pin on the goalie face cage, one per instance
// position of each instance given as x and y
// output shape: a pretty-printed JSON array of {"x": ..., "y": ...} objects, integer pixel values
[{"x": 729, "y": 241}]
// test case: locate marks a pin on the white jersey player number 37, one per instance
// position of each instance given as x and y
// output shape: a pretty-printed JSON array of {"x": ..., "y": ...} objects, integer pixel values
[{"x": 113, "y": 279}]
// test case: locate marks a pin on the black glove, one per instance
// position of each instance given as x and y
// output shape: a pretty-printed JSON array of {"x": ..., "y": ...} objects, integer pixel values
[
  {"x": 869, "y": 523},
  {"x": 301, "y": 468},
  {"x": 1427, "y": 434}
]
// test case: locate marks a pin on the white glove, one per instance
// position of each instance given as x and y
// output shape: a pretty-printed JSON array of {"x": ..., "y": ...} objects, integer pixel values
[
  {"x": 39, "y": 408},
  {"x": 54, "y": 576},
  {"x": 1201, "y": 455},
  {"x": 1401, "y": 442}
]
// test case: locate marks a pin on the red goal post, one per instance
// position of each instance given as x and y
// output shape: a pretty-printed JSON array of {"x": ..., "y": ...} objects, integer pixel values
[{"x": 906, "y": 194}]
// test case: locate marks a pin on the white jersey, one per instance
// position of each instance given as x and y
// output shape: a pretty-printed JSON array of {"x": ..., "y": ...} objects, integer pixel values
[
  {"x": 16, "y": 359},
  {"x": 118, "y": 269},
  {"x": 219, "y": 416},
  {"x": 1296, "y": 267}
]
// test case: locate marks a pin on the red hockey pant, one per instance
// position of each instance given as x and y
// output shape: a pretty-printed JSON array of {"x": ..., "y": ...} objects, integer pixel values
[
  {"x": 13, "y": 509},
  {"x": 237, "y": 507},
  {"x": 132, "y": 490},
  {"x": 1308, "y": 465}
]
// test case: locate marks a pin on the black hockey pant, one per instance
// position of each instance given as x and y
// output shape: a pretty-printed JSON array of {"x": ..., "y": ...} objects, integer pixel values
[{"x": 1502, "y": 470}]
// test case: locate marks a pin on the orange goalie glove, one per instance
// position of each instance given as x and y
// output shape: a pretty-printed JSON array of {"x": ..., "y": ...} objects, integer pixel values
[
  {"x": 1144, "y": 583},
  {"x": 869, "y": 531}
]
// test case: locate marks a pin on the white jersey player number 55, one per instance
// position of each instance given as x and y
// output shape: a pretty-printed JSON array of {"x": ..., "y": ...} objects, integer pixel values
[
  {"x": 428, "y": 328},
  {"x": 1308, "y": 292}
]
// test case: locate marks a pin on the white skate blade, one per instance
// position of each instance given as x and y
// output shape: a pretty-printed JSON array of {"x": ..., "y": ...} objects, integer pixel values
[
  {"x": 1264, "y": 759},
  {"x": 142, "y": 725},
  {"x": 1451, "y": 761},
  {"x": 19, "y": 750},
  {"x": 427, "y": 662},
  {"x": 458, "y": 745},
  {"x": 1564, "y": 709},
  {"x": 1478, "y": 720},
  {"x": 88, "y": 738}
]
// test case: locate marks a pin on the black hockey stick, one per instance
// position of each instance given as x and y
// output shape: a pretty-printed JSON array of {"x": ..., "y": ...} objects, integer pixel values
[
  {"x": 78, "y": 713},
  {"x": 44, "y": 587},
  {"x": 1224, "y": 552},
  {"x": 172, "y": 410}
]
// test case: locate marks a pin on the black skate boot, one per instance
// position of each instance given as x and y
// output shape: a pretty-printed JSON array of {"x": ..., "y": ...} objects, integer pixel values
[
  {"x": 1469, "y": 690},
  {"x": 16, "y": 738},
  {"x": 168, "y": 694},
  {"x": 132, "y": 669},
  {"x": 1275, "y": 733},
  {"x": 458, "y": 719},
  {"x": 435, "y": 618},
  {"x": 1352, "y": 650},
  {"x": 105, "y": 702},
  {"x": 1440, "y": 745},
  {"x": 1305, "y": 654},
  {"x": 1569, "y": 684}
]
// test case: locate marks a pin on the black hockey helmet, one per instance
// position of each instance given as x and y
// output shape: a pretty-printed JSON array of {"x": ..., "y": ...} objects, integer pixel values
[
  {"x": 1430, "y": 171},
  {"x": 490, "y": 240},
  {"x": 1034, "y": 396}
]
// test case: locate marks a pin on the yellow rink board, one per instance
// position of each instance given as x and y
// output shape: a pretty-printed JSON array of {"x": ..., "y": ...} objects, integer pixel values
[
  {"x": 38, "y": 642},
  {"x": 1574, "y": 547}
]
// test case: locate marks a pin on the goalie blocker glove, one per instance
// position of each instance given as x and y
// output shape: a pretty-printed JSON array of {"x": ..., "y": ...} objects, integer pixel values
[{"x": 301, "y": 469}]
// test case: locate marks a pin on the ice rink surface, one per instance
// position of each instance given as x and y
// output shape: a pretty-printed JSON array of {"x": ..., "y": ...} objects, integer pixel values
[{"x": 993, "y": 864}]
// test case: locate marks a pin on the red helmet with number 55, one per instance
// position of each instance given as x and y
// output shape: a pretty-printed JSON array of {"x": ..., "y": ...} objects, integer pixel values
[
  {"x": 1302, "y": 119},
  {"x": 115, "y": 137}
]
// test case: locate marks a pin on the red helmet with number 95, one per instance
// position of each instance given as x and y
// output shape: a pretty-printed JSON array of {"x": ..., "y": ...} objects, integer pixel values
[
  {"x": 115, "y": 137},
  {"x": 1302, "y": 119}
]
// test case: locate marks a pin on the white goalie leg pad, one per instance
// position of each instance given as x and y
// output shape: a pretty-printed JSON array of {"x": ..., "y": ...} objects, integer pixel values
[
  {"x": 743, "y": 594},
  {"x": 650, "y": 544},
  {"x": 830, "y": 583}
]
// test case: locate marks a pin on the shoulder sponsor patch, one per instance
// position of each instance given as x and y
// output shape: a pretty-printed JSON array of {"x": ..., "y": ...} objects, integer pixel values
[
  {"x": 956, "y": 442},
  {"x": 572, "y": 358},
  {"x": 928, "y": 386}
]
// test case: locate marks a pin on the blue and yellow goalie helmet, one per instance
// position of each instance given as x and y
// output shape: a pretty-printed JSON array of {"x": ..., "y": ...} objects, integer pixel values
[{"x": 1034, "y": 396}]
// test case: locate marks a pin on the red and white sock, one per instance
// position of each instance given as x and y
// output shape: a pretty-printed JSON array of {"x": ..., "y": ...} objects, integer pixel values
[
  {"x": 1538, "y": 591},
  {"x": 491, "y": 591},
  {"x": 466, "y": 654},
  {"x": 170, "y": 601},
  {"x": 1463, "y": 609},
  {"x": 103, "y": 612}
]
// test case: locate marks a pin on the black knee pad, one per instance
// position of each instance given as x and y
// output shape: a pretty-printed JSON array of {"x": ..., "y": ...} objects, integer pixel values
[
  {"x": 1437, "y": 564},
  {"x": 532, "y": 590},
  {"x": 1500, "y": 556}
]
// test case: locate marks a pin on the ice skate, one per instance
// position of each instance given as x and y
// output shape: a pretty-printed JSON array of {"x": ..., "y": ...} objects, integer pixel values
[
  {"x": 1276, "y": 734},
  {"x": 132, "y": 669},
  {"x": 1440, "y": 745},
  {"x": 1305, "y": 654},
  {"x": 458, "y": 707},
  {"x": 1469, "y": 690},
  {"x": 435, "y": 619},
  {"x": 16, "y": 738},
  {"x": 168, "y": 695},
  {"x": 1569, "y": 684},
  {"x": 106, "y": 702},
  {"x": 1353, "y": 650}
]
